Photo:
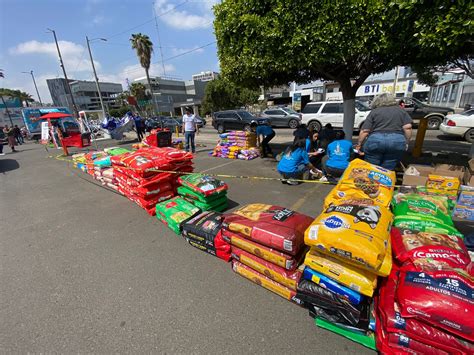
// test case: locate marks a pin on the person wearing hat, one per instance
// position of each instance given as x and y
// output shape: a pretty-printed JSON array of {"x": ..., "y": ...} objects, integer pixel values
[{"x": 190, "y": 128}]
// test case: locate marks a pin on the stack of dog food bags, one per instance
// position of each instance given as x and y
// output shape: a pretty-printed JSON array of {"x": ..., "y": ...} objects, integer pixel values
[
  {"x": 248, "y": 154},
  {"x": 426, "y": 304},
  {"x": 350, "y": 248},
  {"x": 139, "y": 181},
  {"x": 79, "y": 161},
  {"x": 204, "y": 232},
  {"x": 205, "y": 192},
  {"x": 224, "y": 151},
  {"x": 237, "y": 145},
  {"x": 174, "y": 212},
  {"x": 241, "y": 139},
  {"x": 463, "y": 214},
  {"x": 267, "y": 245},
  {"x": 90, "y": 158}
]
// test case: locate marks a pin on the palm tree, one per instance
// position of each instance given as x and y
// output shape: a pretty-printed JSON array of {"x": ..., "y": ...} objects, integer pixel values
[
  {"x": 24, "y": 97},
  {"x": 144, "y": 48},
  {"x": 139, "y": 91}
]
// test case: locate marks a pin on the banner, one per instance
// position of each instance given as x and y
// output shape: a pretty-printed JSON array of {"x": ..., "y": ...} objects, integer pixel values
[
  {"x": 44, "y": 133},
  {"x": 297, "y": 101}
]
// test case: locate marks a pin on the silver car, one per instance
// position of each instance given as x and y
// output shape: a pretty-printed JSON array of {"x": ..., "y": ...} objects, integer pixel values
[{"x": 282, "y": 117}]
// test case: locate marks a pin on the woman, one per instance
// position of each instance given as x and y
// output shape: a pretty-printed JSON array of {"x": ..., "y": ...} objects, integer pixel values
[
  {"x": 294, "y": 163},
  {"x": 314, "y": 150},
  {"x": 388, "y": 128},
  {"x": 10, "y": 133},
  {"x": 338, "y": 157}
]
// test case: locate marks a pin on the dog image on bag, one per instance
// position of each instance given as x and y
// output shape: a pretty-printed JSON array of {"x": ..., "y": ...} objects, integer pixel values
[{"x": 367, "y": 214}]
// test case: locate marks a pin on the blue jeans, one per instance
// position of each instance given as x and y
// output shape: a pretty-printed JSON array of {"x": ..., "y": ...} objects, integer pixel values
[
  {"x": 189, "y": 138},
  {"x": 298, "y": 174},
  {"x": 385, "y": 149}
]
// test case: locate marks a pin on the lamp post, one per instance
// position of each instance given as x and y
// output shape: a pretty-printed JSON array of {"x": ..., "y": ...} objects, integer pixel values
[
  {"x": 64, "y": 72},
  {"x": 95, "y": 73},
  {"x": 34, "y": 82}
]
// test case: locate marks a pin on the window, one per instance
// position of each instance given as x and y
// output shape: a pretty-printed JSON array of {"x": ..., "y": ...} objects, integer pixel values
[
  {"x": 454, "y": 92},
  {"x": 274, "y": 112},
  {"x": 446, "y": 93},
  {"x": 433, "y": 94},
  {"x": 289, "y": 111},
  {"x": 332, "y": 108},
  {"x": 312, "y": 108},
  {"x": 246, "y": 115},
  {"x": 439, "y": 93},
  {"x": 362, "y": 106},
  {"x": 231, "y": 115}
]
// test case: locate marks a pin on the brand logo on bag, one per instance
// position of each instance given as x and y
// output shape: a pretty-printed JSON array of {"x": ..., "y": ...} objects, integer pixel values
[{"x": 333, "y": 222}]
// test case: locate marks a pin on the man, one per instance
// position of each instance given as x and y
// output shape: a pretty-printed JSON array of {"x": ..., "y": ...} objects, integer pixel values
[
  {"x": 3, "y": 137},
  {"x": 190, "y": 128},
  {"x": 266, "y": 133},
  {"x": 138, "y": 127},
  {"x": 18, "y": 136}
]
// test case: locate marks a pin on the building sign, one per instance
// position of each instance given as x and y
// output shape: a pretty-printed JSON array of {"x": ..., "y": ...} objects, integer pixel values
[
  {"x": 297, "y": 101},
  {"x": 375, "y": 89}
]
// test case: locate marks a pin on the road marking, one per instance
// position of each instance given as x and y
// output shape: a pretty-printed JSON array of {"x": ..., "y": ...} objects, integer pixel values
[
  {"x": 217, "y": 166},
  {"x": 298, "y": 204}
]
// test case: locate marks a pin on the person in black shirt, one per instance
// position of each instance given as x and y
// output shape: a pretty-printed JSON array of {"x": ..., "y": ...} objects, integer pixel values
[{"x": 326, "y": 136}]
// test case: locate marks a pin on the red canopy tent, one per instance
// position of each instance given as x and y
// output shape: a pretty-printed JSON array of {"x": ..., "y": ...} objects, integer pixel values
[{"x": 54, "y": 115}]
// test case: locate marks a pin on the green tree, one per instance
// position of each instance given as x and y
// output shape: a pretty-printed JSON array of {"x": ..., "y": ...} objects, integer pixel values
[
  {"x": 273, "y": 42},
  {"x": 144, "y": 49},
  {"x": 222, "y": 94},
  {"x": 21, "y": 95}
]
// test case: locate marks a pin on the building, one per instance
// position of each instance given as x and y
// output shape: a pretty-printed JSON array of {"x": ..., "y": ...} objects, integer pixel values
[
  {"x": 85, "y": 94},
  {"x": 454, "y": 89},
  {"x": 174, "y": 95},
  {"x": 205, "y": 76}
]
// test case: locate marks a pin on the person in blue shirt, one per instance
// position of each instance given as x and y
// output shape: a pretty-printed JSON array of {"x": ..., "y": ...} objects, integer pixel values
[
  {"x": 138, "y": 127},
  {"x": 265, "y": 134},
  {"x": 338, "y": 156},
  {"x": 294, "y": 163}
]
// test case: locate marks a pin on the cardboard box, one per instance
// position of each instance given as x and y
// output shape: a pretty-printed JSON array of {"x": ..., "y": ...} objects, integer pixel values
[
  {"x": 450, "y": 170},
  {"x": 468, "y": 178},
  {"x": 417, "y": 175}
]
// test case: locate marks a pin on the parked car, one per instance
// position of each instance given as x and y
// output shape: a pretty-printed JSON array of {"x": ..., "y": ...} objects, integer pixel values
[
  {"x": 318, "y": 114},
  {"x": 163, "y": 122},
  {"x": 461, "y": 124},
  {"x": 417, "y": 109},
  {"x": 235, "y": 120},
  {"x": 282, "y": 117}
]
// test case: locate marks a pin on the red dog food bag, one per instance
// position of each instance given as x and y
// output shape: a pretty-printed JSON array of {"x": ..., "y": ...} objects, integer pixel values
[
  {"x": 428, "y": 250},
  {"x": 274, "y": 226},
  {"x": 444, "y": 299},
  {"x": 389, "y": 312}
]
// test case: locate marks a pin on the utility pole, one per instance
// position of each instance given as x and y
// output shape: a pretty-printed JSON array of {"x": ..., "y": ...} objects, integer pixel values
[
  {"x": 159, "y": 39},
  {"x": 68, "y": 86},
  {"x": 34, "y": 82},
  {"x": 95, "y": 73}
]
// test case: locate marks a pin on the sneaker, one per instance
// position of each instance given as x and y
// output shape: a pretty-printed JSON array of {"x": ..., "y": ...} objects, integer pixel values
[
  {"x": 292, "y": 182},
  {"x": 324, "y": 179},
  {"x": 284, "y": 182},
  {"x": 2, "y": 153}
]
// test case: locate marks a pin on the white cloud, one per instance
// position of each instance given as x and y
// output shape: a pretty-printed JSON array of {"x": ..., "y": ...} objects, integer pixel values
[
  {"x": 98, "y": 20},
  {"x": 178, "y": 51},
  {"x": 200, "y": 18},
  {"x": 74, "y": 55}
]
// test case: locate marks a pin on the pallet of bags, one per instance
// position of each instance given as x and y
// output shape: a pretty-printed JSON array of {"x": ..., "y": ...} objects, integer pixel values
[
  {"x": 174, "y": 212},
  {"x": 267, "y": 246},
  {"x": 204, "y": 232},
  {"x": 205, "y": 192},
  {"x": 90, "y": 158},
  {"x": 427, "y": 301}
]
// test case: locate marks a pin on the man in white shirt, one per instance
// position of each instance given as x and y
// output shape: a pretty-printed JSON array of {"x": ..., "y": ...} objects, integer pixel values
[{"x": 190, "y": 128}]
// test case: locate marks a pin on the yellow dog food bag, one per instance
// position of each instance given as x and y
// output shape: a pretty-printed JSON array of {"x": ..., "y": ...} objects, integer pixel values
[
  {"x": 356, "y": 233},
  {"x": 348, "y": 275},
  {"x": 362, "y": 180}
]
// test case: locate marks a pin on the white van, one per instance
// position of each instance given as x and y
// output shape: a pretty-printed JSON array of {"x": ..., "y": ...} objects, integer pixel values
[{"x": 317, "y": 114}]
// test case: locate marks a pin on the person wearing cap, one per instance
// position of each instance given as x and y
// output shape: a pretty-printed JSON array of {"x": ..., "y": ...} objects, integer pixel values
[{"x": 190, "y": 128}]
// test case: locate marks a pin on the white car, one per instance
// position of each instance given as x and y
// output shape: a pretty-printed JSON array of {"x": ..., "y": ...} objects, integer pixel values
[
  {"x": 318, "y": 114},
  {"x": 460, "y": 124}
]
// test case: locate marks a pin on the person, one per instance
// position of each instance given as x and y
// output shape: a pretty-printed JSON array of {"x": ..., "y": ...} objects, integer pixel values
[
  {"x": 9, "y": 132},
  {"x": 138, "y": 126},
  {"x": 388, "y": 129},
  {"x": 301, "y": 132},
  {"x": 18, "y": 136},
  {"x": 190, "y": 128},
  {"x": 267, "y": 133},
  {"x": 295, "y": 163},
  {"x": 339, "y": 154},
  {"x": 2, "y": 140},
  {"x": 326, "y": 136},
  {"x": 315, "y": 152},
  {"x": 402, "y": 104}
]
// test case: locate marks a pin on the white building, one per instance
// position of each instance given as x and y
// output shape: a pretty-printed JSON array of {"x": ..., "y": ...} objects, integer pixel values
[{"x": 205, "y": 76}]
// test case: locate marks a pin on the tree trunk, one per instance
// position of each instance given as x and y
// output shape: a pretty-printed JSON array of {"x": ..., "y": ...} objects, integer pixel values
[
  {"x": 348, "y": 95},
  {"x": 155, "y": 104}
]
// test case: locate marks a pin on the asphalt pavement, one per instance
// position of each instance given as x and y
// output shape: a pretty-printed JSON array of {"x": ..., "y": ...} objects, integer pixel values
[{"x": 84, "y": 270}]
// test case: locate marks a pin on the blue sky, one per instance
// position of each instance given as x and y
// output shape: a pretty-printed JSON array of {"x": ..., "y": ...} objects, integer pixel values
[{"x": 26, "y": 45}]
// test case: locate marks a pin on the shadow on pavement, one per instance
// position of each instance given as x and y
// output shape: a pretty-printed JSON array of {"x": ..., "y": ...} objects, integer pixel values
[{"x": 8, "y": 165}]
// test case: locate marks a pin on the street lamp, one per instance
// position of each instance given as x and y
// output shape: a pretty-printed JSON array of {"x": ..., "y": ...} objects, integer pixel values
[
  {"x": 95, "y": 73},
  {"x": 34, "y": 82}
]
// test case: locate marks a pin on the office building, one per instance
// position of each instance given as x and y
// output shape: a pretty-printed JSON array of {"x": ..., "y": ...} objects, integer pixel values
[{"x": 205, "y": 76}]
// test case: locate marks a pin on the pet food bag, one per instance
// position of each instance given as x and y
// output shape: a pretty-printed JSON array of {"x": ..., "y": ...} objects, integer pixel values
[
  {"x": 423, "y": 206},
  {"x": 274, "y": 226},
  {"x": 276, "y": 273},
  {"x": 357, "y": 279},
  {"x": 362, "y": 180},
  {"x": 262, "y": 280},
  {"x": 367, "y": 340},
  {"x": 189, "y": 194},
  {"x": 175, "y": 211},
  {"x": 202, "y": 184},
  {"x": 220, "y": 248},
  {"x": 425, "y": 224},
  {"x": 331, "y": 285},
  {"x": 392, "y": 321},
  {"x": 358, "y": 234},
  {"x": 444, "y": 299},
  {"x": 429, "y": 250},
  {"x": 276, "y": 257}
]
